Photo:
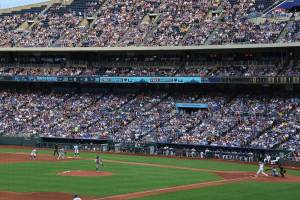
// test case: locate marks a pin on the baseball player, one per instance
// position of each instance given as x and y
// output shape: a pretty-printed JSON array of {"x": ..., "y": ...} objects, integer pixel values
[
  {"x": 76, "y": 150},
  {"x": 33, "y": 154},
  {"x": 76, "y": 197},
  {"x": 61, "y": 154},
  {"x": 282, "y": 171},
  {"x": 98, "y": 162},
  {"x": 261, "y": 169},
  {"x": 274, "y": 171},
  {"x": 55, "y": 152}
]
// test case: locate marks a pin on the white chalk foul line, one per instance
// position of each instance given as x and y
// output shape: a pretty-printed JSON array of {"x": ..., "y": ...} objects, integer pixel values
[
  {"x": 64, "y": 172},
  {"x": 179, "y": 188}
]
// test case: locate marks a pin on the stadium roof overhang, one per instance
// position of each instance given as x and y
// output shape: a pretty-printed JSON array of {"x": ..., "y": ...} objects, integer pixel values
[{"x": 203, "y": 48}]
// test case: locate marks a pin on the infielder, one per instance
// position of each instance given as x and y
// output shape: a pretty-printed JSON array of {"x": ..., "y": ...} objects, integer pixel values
[
  {"x": 261, "y": 169},
  {"x": 61, "y": 154},
  {"x": 98, "y": 162},
  {"x": 76, "y": 150},
  {"x": 33, "y": 154}
]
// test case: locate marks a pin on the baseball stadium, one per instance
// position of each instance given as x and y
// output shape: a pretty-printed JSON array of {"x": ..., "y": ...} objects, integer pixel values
[{"x": 149, "y": 99}]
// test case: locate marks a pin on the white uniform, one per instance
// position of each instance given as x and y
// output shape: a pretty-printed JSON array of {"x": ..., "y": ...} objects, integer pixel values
[
  {"x": 61, "y": 153},
  {"x": 261, "y": 169},
  {"x": 33, "y": 154},
  {"x": 76, "y": 150},
  {"x": 76, "y": 197},
  {"x": 267, "y": 159},
  {"x": 273, "y": 162},
  {"x": 201, "y": 154}
]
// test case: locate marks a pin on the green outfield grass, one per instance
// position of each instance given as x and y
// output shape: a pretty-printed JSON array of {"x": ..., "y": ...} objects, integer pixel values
[
  {"x": 39, "y": 176},
  {"x": 202, "y": 164},
  {"x": 237, "y": 191}
]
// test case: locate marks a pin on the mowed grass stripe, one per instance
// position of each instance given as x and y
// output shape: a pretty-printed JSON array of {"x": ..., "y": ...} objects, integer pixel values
[
  {"x": 237, "y": 191},
  {"x": 202, "y": 164},
  {"x": 41, "y": 176},
  {"x": 131, "y": 178}
]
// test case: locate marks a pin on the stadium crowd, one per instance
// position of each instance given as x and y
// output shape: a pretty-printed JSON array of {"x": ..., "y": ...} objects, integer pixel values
[
  {"x": 240, "y": 121},
  {"x": 291, "y": 69},
  {"x": 99, "y": 23},
  {"x": 236, "y": 26},
  {"x": 232, "y": 121}
]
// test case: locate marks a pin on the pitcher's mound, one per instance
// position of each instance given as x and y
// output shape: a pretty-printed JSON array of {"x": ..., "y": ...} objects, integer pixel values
[{"x": 84, "y": 173}]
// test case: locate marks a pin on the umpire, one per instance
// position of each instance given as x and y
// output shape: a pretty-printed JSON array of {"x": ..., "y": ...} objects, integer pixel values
[
  {"x": 282, "y": 170},
  {"x": 55, "y": 150}
]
